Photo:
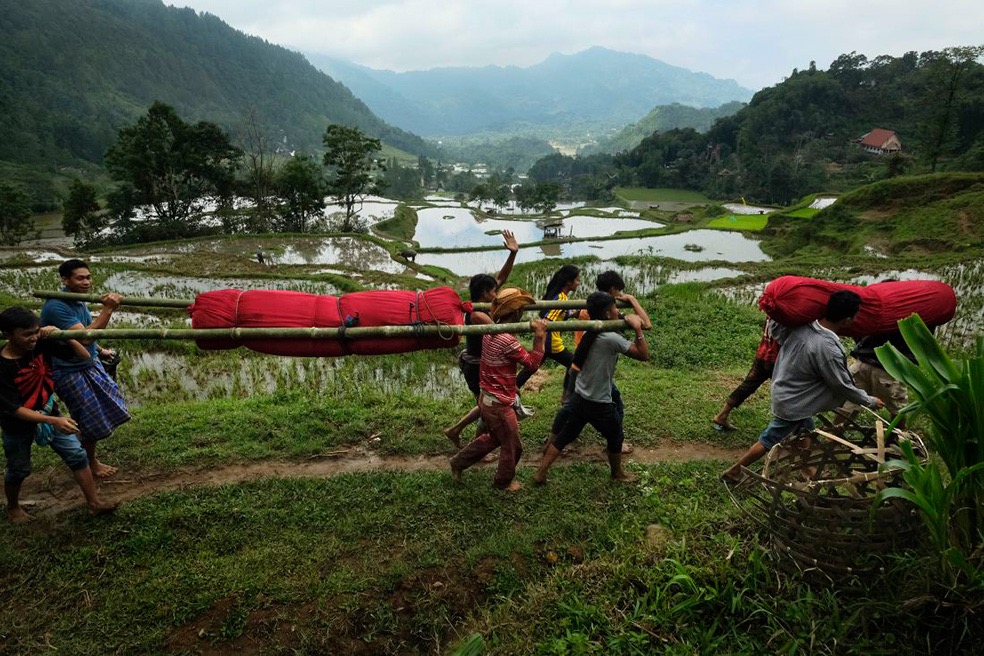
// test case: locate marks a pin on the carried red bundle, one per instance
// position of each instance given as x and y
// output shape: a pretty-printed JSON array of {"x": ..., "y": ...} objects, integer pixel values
[
  {"x": 795, "y": 301},
  {"x": 232, "y": 308}
]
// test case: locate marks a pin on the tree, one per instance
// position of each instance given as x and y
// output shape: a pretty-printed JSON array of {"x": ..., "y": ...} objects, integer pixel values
[
  {"x": 301, "y": 190},
  {"x": 172, "y": 166},
  {"x": 258, "y": 166},
  {"x": 401, "y": 182},
  {"x": 946, "y": 70},
  {"x": 15, "y": 215},
  {"x": 351, "y": 167},
  {"x": 81, "y": 217}
]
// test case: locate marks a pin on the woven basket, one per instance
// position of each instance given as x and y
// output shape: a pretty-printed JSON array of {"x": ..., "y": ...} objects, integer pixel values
[{"x": 815, "y": 496}]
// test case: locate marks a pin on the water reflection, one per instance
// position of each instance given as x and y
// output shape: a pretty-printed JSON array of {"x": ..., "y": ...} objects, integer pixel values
[
  {"x": 135, "y": 283},
  {"x": 358, "y": 254},
  {"x": 463, "y": 229},
  {"x": 149, "y": 376},
  {"x": 714, "y": 245}
]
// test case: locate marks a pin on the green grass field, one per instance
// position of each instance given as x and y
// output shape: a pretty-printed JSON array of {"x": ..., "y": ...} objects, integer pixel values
[
  {"x": 802, "y": 213},
  {"x": 752, "y": 222}
]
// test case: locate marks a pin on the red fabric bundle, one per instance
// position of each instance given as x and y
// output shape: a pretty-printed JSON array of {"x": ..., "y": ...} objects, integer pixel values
[
  {"x": 795, "y": 301},
  {"x": 231, "y": 308}
]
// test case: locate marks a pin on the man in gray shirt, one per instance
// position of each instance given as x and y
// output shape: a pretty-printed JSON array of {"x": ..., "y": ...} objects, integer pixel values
[
  {"x": 811, "y": 376},
  {"x": 591, "y": 402}
]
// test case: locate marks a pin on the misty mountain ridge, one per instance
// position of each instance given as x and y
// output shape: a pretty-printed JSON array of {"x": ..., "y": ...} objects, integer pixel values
[{"x": 598, "y": 86}]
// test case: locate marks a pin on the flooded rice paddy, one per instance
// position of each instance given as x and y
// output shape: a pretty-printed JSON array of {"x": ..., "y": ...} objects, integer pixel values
[
  {"x": 154, "y": 376},
  {"x": 692, "y": 246},
  {"x": 139, "y": 283},
  {"x": 439, "y": 227}
]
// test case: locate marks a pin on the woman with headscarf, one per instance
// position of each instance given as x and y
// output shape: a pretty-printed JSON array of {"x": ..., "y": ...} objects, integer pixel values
[{"x": 501, "y": 355}]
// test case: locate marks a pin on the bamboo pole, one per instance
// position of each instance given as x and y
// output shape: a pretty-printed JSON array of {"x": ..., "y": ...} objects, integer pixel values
[
  {"x": 355, "y": 332},
  {"x": 181, "y": 303},
  {"x": 576, "y": 304}
]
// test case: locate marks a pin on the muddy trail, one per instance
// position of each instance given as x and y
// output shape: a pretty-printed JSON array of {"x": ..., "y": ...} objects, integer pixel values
[{"x": 53, "y": 491}]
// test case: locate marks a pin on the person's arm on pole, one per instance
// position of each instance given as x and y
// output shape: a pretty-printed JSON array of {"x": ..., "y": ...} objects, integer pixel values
[{"x": 636, "y": 307}]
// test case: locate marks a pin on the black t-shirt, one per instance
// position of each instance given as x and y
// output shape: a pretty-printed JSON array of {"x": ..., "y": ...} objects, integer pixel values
[
  {"x": 26, "y": 382},
  {"x": 864, "y": 349}
]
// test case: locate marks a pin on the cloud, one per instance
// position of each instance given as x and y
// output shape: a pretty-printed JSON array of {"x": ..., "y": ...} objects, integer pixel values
[{"x": 756, "y": 42}]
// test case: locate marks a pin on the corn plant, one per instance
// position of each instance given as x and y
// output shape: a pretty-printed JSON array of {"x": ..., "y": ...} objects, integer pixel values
[{"x": 950, "y": 394}]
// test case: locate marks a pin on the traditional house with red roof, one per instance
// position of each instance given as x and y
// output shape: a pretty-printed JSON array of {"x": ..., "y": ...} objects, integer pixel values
[{"x": 880, "y": 141}]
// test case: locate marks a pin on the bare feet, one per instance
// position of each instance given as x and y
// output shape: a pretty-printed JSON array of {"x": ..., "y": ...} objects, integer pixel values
[
  {"x": 626, "y": 447},
  {"x": 103, "y": 507},
  {"x": 515, "y": 486},
  {"x": 455, "y": 474},
  {"x": 490, "y": 457},
  {"x": 102, "y": 470},
  {"x": 539, "y": 479},
  {"x": 454, "y": 436},
  {"x": 731, "y": 476},
  {"x": 625, "y": 478},
  {"x": 18, "y": 516}
]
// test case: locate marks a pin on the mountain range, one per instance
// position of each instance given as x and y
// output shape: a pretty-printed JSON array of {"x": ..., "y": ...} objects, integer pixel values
[{"x": 598, "y": 87}]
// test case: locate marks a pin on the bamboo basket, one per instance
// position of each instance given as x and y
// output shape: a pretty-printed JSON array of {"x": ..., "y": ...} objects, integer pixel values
[{"x": 815, "y": 497}]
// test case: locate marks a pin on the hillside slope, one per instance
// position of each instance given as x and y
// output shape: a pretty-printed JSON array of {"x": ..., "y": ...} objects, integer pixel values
[
  {"x": 75, "y": 71},
  {"x": 937, "y": 213}
]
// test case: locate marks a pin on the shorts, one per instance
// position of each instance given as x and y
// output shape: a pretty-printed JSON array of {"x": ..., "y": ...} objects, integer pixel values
[
  {"x": 18, "y": 452},
  {"x": 779, "y": 429},
  {"x": 470, "y": 372}
]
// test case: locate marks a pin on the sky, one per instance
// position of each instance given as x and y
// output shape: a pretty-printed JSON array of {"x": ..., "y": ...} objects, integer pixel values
[{"x": 756, "y": 42}]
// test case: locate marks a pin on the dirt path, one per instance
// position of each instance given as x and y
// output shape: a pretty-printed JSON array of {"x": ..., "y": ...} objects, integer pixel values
[{"x": 54, "y": 491}]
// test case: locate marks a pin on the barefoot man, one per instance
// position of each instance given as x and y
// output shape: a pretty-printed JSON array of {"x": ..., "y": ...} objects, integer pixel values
[
  {"x": 501, "y": 355},
  {"x": 90, "y": 395},
  {"x": 27, "y": 408},
  {"x": 481, "y": 289},
  {"x": 591, "y": 401},
  {"x": 811, "y": 376}
]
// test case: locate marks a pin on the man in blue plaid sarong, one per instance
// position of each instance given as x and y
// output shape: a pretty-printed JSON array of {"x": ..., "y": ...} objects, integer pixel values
[{"x": 91, "y": 396}]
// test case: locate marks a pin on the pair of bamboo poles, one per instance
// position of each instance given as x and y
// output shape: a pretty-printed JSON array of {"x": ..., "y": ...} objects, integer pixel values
[{"x": 355, "y": 332}]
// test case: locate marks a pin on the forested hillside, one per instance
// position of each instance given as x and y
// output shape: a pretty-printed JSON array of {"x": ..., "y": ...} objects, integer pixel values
[
  {"x": 662, "y": 119},
  {"x": 75, "y": 71},
  {"x": 801, "y": 136}
]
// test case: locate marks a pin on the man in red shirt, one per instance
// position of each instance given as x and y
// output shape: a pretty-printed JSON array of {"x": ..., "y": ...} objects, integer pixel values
[{"x": 501, "y": 355}]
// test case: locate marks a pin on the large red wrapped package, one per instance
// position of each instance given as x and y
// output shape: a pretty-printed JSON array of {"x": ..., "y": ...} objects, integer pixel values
[
  {"x": 795, "y": 301},
  {"x": 230, "y": 308}
]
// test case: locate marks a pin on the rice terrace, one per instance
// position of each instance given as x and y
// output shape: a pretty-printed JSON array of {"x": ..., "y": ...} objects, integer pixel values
[{"x": 479, "y": 382}]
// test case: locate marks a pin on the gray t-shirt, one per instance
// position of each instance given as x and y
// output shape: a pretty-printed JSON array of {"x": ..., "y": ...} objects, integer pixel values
[{"x": 594, "y": 381}]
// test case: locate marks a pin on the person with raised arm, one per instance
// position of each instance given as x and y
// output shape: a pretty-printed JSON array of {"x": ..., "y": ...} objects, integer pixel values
[{"x": 481, "y": 289}]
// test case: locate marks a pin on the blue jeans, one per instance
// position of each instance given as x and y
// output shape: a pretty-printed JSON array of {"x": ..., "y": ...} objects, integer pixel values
[
  {"x": 18, "y": 452},
  {"x": 779, "y": 429}
]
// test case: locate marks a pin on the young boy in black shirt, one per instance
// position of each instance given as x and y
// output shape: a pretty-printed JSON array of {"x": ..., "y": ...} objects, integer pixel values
[{"x": 28, "y": 411}]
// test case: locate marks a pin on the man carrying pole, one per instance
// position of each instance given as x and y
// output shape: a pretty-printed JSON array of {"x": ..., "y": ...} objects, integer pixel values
[
  {"x": 501, "y": 354},
  {"x": 93, "y": 399}
]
